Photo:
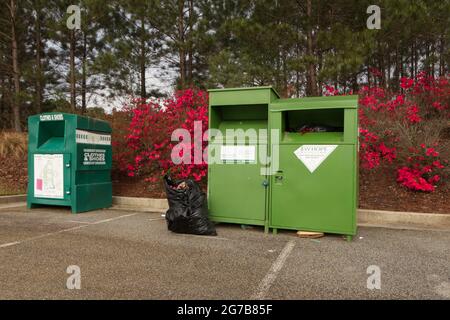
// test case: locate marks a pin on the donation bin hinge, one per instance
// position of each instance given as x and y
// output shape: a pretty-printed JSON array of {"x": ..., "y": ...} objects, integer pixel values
[{"x": 265, "y": 183}]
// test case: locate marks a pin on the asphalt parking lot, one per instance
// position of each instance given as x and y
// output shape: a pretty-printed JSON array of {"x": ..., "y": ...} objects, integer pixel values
[{"x": 131, "y": 255}]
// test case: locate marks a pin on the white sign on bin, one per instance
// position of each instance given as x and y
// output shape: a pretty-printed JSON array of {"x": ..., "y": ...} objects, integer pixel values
[
  {"x": 312, "y": 156},
  {"x": 238, "y": 153},
  {"x": 49, "y": 176}
]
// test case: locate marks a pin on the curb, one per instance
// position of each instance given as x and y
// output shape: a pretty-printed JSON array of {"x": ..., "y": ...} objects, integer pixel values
[
  {"x": 366, "y": 217},
  {"x": 11, "y": 199},
  {"x": 403, "y": 220},
  {"x": 140, "y": 204}
]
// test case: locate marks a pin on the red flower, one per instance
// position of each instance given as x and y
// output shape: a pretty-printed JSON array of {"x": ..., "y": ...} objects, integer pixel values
[
  {"x": 431, "y": 152},
  {"x": 406, "y": 83}
]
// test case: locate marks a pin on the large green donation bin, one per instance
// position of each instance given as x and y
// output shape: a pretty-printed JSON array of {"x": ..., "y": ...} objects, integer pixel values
[
  {"x": 237, "y": 183},
  {"x": 69, "y": 162},
  {"x": 312, "y": 182}
]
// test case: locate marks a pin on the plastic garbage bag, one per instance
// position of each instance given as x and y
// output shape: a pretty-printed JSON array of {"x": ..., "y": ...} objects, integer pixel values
[{"x": 188, "y": 211}]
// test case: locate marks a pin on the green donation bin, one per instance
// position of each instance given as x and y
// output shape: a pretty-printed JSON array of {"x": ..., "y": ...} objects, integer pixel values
[
  {"x": 313, "y": 185},
  {"x": 237, "y": 181},
  {"x": 69, "y": 162},
  {"x": 316, "y": 185}
]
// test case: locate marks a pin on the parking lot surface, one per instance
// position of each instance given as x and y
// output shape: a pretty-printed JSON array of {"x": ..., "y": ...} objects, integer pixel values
[{"x": 132, "y": 255}]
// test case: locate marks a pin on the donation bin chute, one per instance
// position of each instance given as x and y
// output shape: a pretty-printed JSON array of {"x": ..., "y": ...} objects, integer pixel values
[{"x": 69, "y": 162}]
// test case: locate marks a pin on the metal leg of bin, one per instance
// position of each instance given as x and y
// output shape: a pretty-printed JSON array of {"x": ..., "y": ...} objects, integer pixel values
[
  {"x": 274, "y": 231},
  {"x": 349, "y": 238}
]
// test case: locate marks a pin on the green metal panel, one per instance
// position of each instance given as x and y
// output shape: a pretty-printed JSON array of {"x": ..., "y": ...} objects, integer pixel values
[
  {"x": 236, "y": 189},
  {"x": 73, "y": 153},
  {"x": 236, "y": 192},
  {"x": 319, "y": 201},
  {"x": 241, "y": 96},
  {"x": 324, "y": 199}
]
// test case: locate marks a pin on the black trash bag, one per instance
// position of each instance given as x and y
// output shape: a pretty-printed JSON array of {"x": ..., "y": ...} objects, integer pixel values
[{"x": 188, "y": 211}]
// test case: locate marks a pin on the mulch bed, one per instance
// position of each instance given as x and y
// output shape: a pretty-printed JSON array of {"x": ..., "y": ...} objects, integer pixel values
[
  {"x": 13, "y": 175},
  {"x": 136, "y": 187},
  {"x": 379, "y": 190}
]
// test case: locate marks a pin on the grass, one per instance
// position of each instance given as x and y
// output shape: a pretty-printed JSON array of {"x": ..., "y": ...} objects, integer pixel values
[{"x": 13, "y": 145}]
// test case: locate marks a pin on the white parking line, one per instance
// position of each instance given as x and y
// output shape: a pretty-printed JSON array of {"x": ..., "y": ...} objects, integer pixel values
[
  {"x": 65, "y": 230},
  {"x": 115, "y": 218},
  {"x": 8, "y": 244},
  {"x": 154, "y": 219},
  {"x": 270, "y": 277}
]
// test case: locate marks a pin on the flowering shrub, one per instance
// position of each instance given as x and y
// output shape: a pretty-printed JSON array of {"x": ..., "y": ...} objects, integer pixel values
[
  {"x": 402, "y": 130},
  {"x": 148, "y": 146},
  {"x": 424, "y": 170},
  {"x": 405, "y": 130}
]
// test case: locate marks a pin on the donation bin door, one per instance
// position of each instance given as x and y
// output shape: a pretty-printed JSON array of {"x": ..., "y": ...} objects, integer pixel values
[
  {"x": 312, "y": 187},
  {"x": 52, "y": 176}
]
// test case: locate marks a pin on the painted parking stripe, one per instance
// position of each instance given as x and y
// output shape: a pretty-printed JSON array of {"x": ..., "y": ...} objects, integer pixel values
[
  {"x": 8, "y": 244},
  {"x": 270, "y": 277},
  {"x": 65, "y": 230}
]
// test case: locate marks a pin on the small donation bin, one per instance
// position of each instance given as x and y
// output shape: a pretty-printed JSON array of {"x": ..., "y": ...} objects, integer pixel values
[
  {"x": 69, "y": 162},
  {"x": 311, "y": 183}
]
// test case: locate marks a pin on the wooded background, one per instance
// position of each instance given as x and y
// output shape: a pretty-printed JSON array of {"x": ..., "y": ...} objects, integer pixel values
[{"x": 133, "y": 48}]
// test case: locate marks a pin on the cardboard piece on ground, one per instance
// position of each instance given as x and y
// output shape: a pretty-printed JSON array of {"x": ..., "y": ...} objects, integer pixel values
[{"x": 309, "y": 234}]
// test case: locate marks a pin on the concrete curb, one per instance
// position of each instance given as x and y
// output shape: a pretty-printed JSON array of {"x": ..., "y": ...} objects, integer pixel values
[
  {"x": 366, "y": 217},
  {"x": 14, "y": 198},
  {"x": 140, "y": 204},
  {"x": 403, "y": 220}
]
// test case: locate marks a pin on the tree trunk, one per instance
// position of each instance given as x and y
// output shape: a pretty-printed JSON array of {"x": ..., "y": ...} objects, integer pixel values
[
  {"x": 39, "y": 85},
  {"x": 441, "y": 57},
  {"x": 181, "y": 51},
  {"x": 72, "y": 71},
  {"x": 312, "y": 83},
  {"x": 142, "y": 60},
  {"x": 83, "y": 77},
  {"x": 15, "y": 65},
  {"x": 190, "y": 54}
]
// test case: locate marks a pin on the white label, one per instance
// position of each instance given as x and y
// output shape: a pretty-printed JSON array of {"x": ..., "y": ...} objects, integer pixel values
[
  {"x": 94, "y": 157},
  {"x": 87, "y": 137},
  {"x": 49, "y": 176},
  {"x": 51, "y": 117},
  {"x": 239, "y": 153},
  {"x": 313, "y": 155}
]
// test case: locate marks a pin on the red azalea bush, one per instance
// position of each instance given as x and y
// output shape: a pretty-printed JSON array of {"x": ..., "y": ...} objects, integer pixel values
[
  {"x": 407, "y": 130},
  {"x": 147, "y": 146}
]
